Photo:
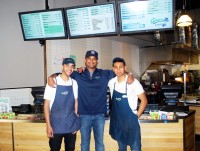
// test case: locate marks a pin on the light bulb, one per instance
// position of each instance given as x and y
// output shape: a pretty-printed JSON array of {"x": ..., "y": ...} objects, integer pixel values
[{"x": 184, "y": 20}]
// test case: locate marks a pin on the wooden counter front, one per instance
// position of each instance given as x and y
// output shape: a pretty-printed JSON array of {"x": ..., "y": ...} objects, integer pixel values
[
  {"x": 178, "y": 136},
  {"x": 162, "y": 136},
  {"x": 6, "y": 141},
  {"x": 197, "y": 118},
  {"x": 30, "y": 137}
]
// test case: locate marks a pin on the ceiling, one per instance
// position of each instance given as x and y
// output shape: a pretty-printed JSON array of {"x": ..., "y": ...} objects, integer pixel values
[{"x": 190, "y": 4}]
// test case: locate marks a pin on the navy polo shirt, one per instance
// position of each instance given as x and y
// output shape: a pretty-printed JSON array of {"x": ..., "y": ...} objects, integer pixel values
[{"x": 92, "y": 91}]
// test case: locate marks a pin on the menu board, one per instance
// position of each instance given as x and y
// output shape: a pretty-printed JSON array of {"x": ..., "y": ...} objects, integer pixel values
[
  {"x": 137, "y": 16},
  {"x": 91, "y": 20},
  {"x": 42, "y": 24}
]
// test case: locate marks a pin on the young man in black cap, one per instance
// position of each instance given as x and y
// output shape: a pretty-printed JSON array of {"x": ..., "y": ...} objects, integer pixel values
[
  {"x": 124, "y": 125},
  {"x": 92, "y": 92},
  {"x": 60, "y": 109}
]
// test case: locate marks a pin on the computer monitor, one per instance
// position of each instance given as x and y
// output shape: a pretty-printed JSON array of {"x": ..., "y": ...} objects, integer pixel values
[{"x": 172, "y": 93}]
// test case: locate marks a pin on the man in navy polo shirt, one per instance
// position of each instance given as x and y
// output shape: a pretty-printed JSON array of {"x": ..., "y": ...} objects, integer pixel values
[
  {"x": 92, "y": 99},
  {"x": 93, "y": 83}
]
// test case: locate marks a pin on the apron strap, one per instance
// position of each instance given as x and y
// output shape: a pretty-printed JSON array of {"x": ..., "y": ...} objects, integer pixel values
[
  {"x": 125, "y": 89},
  {"x": 127, "y": 96}
]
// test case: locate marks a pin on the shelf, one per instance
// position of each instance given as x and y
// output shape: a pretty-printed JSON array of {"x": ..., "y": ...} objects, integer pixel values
[{"x": 183, "y": 47}]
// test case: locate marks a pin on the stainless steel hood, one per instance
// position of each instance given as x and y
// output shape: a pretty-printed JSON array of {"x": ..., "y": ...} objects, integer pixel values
[
  {"x": 167, "y": 56},
  {"x": 170, "y": 54}
]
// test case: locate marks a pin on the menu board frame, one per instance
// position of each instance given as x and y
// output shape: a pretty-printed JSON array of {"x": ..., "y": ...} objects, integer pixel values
[
  {"x": 124, "y": 22},
  {"x": 77, "y": 16},
  {"x": 34, "y": 26}
]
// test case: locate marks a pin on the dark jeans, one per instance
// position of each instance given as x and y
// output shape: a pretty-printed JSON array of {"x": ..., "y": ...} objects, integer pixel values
[
  {"x": 56, "y": 141},
  {"x": 134, "y": 147}
]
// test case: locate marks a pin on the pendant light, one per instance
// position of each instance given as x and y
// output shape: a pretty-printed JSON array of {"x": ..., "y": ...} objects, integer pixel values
[{"x": 184, "y": 19}]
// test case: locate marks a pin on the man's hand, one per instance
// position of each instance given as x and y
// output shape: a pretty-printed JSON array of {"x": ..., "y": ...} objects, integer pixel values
[
  {"x": 74, "y": 132},
  {"x": 51, "y": 81},
  {"x": 130, "y": 78},
  {"x": 49, "y": 132},
  {"x": 81, "y": 69}
]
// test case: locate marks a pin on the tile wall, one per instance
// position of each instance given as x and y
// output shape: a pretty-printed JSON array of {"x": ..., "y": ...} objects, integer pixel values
[{"x": 59, "y": 49}]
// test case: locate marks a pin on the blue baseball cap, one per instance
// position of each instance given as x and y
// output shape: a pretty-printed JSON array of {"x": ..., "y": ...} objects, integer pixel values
[{"x": 91, "y": 53}]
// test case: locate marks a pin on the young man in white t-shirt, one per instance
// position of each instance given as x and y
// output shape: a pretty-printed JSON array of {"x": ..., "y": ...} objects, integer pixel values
[
  {"x": 124, "y": 124},
  {"x": 60, "y": 109}
]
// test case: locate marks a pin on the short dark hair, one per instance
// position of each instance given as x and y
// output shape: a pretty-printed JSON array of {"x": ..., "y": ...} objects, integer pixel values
[{"x": 118, "y": 59}]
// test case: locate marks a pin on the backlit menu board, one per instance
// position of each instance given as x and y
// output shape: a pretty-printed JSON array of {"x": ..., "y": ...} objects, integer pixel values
[
  {"x": 147, "y": 15},
  {"x": 91, "y": 20},
  {"x": 45, "y": 24}
]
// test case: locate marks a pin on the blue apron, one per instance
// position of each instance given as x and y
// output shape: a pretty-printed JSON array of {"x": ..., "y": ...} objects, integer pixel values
[
  {"x": 63, "y": 118},
  {"x": 124, "y": 125}
]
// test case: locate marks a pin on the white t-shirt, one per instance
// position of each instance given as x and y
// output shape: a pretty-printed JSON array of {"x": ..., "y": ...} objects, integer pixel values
[
  {"x": 133, "y": 90},
  {"x": 50, "y": 92}
]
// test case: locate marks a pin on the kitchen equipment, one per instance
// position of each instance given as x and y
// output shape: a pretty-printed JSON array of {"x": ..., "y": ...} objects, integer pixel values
[
  {"x": 16, "y": 109},
  {"x": 38, "y": 109},
  {"x": 25, "y": 108},
  {"x": 38, "y": 94}
]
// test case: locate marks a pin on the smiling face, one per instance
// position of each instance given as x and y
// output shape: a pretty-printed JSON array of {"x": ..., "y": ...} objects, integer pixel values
[
  {"x": 68, "y": 69},
  {"x": 91, "y": 62},
  {"x": 119, "y": 69}
]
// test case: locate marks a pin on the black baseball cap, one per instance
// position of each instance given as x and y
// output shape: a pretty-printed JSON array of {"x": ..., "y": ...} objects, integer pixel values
[
  {"x": 91, "y": 53},
  {"x": 68, "y": 60}
]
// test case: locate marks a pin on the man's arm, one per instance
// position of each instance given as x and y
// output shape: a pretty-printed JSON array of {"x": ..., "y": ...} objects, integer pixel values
[
  {"x": 143, "y": 104},
  {"x": 76, "y": 111},
  {"x": 111, "y": 75},
  {"x": 76, "y": 106},
  {"x": 130, "y": 78},
  {"x": 49, "y": 129},
  {"x": 51, "y": 81}
]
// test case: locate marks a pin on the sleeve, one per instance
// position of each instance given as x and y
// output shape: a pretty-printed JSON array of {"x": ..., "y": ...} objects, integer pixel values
[
  {"x": 138, "y": 87},
  {"x": 109, "y": 74},
  {"x": 74, "y": 75},
  {"x": 48, "y": 92},
  {"x": 111, "y": 86},
  {"x": 75, "y": 89}
]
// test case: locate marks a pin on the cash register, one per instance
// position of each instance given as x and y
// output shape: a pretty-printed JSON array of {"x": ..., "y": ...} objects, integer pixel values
[
  {"x": 38, "y": 95},
  {"x": 172, "y": 93}
]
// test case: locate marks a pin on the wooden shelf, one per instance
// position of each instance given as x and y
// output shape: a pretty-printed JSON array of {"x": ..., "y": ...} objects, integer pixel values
[{"x": 183, "y": 47}]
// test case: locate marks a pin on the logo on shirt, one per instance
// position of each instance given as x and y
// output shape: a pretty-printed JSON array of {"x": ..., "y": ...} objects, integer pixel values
[
  {"x": 64, "y": 93},
  {"x": 124, "y": 96},
  {"x": 97, "y": 77},
  {"x": 118, "y": 99}
]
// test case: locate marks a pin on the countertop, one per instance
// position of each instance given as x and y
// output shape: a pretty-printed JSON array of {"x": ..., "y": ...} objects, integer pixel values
[{"x": 143, "y": 119}]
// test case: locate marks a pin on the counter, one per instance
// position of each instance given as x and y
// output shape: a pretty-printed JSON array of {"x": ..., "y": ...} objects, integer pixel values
[
  {"x": 157, "y": 135},
  {"x": 193, "y": 101},
  {"x": 196, "y": 107}
]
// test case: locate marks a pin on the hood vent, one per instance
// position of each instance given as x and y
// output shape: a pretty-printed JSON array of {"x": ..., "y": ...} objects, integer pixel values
[{"x": 170, "y": 54}]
